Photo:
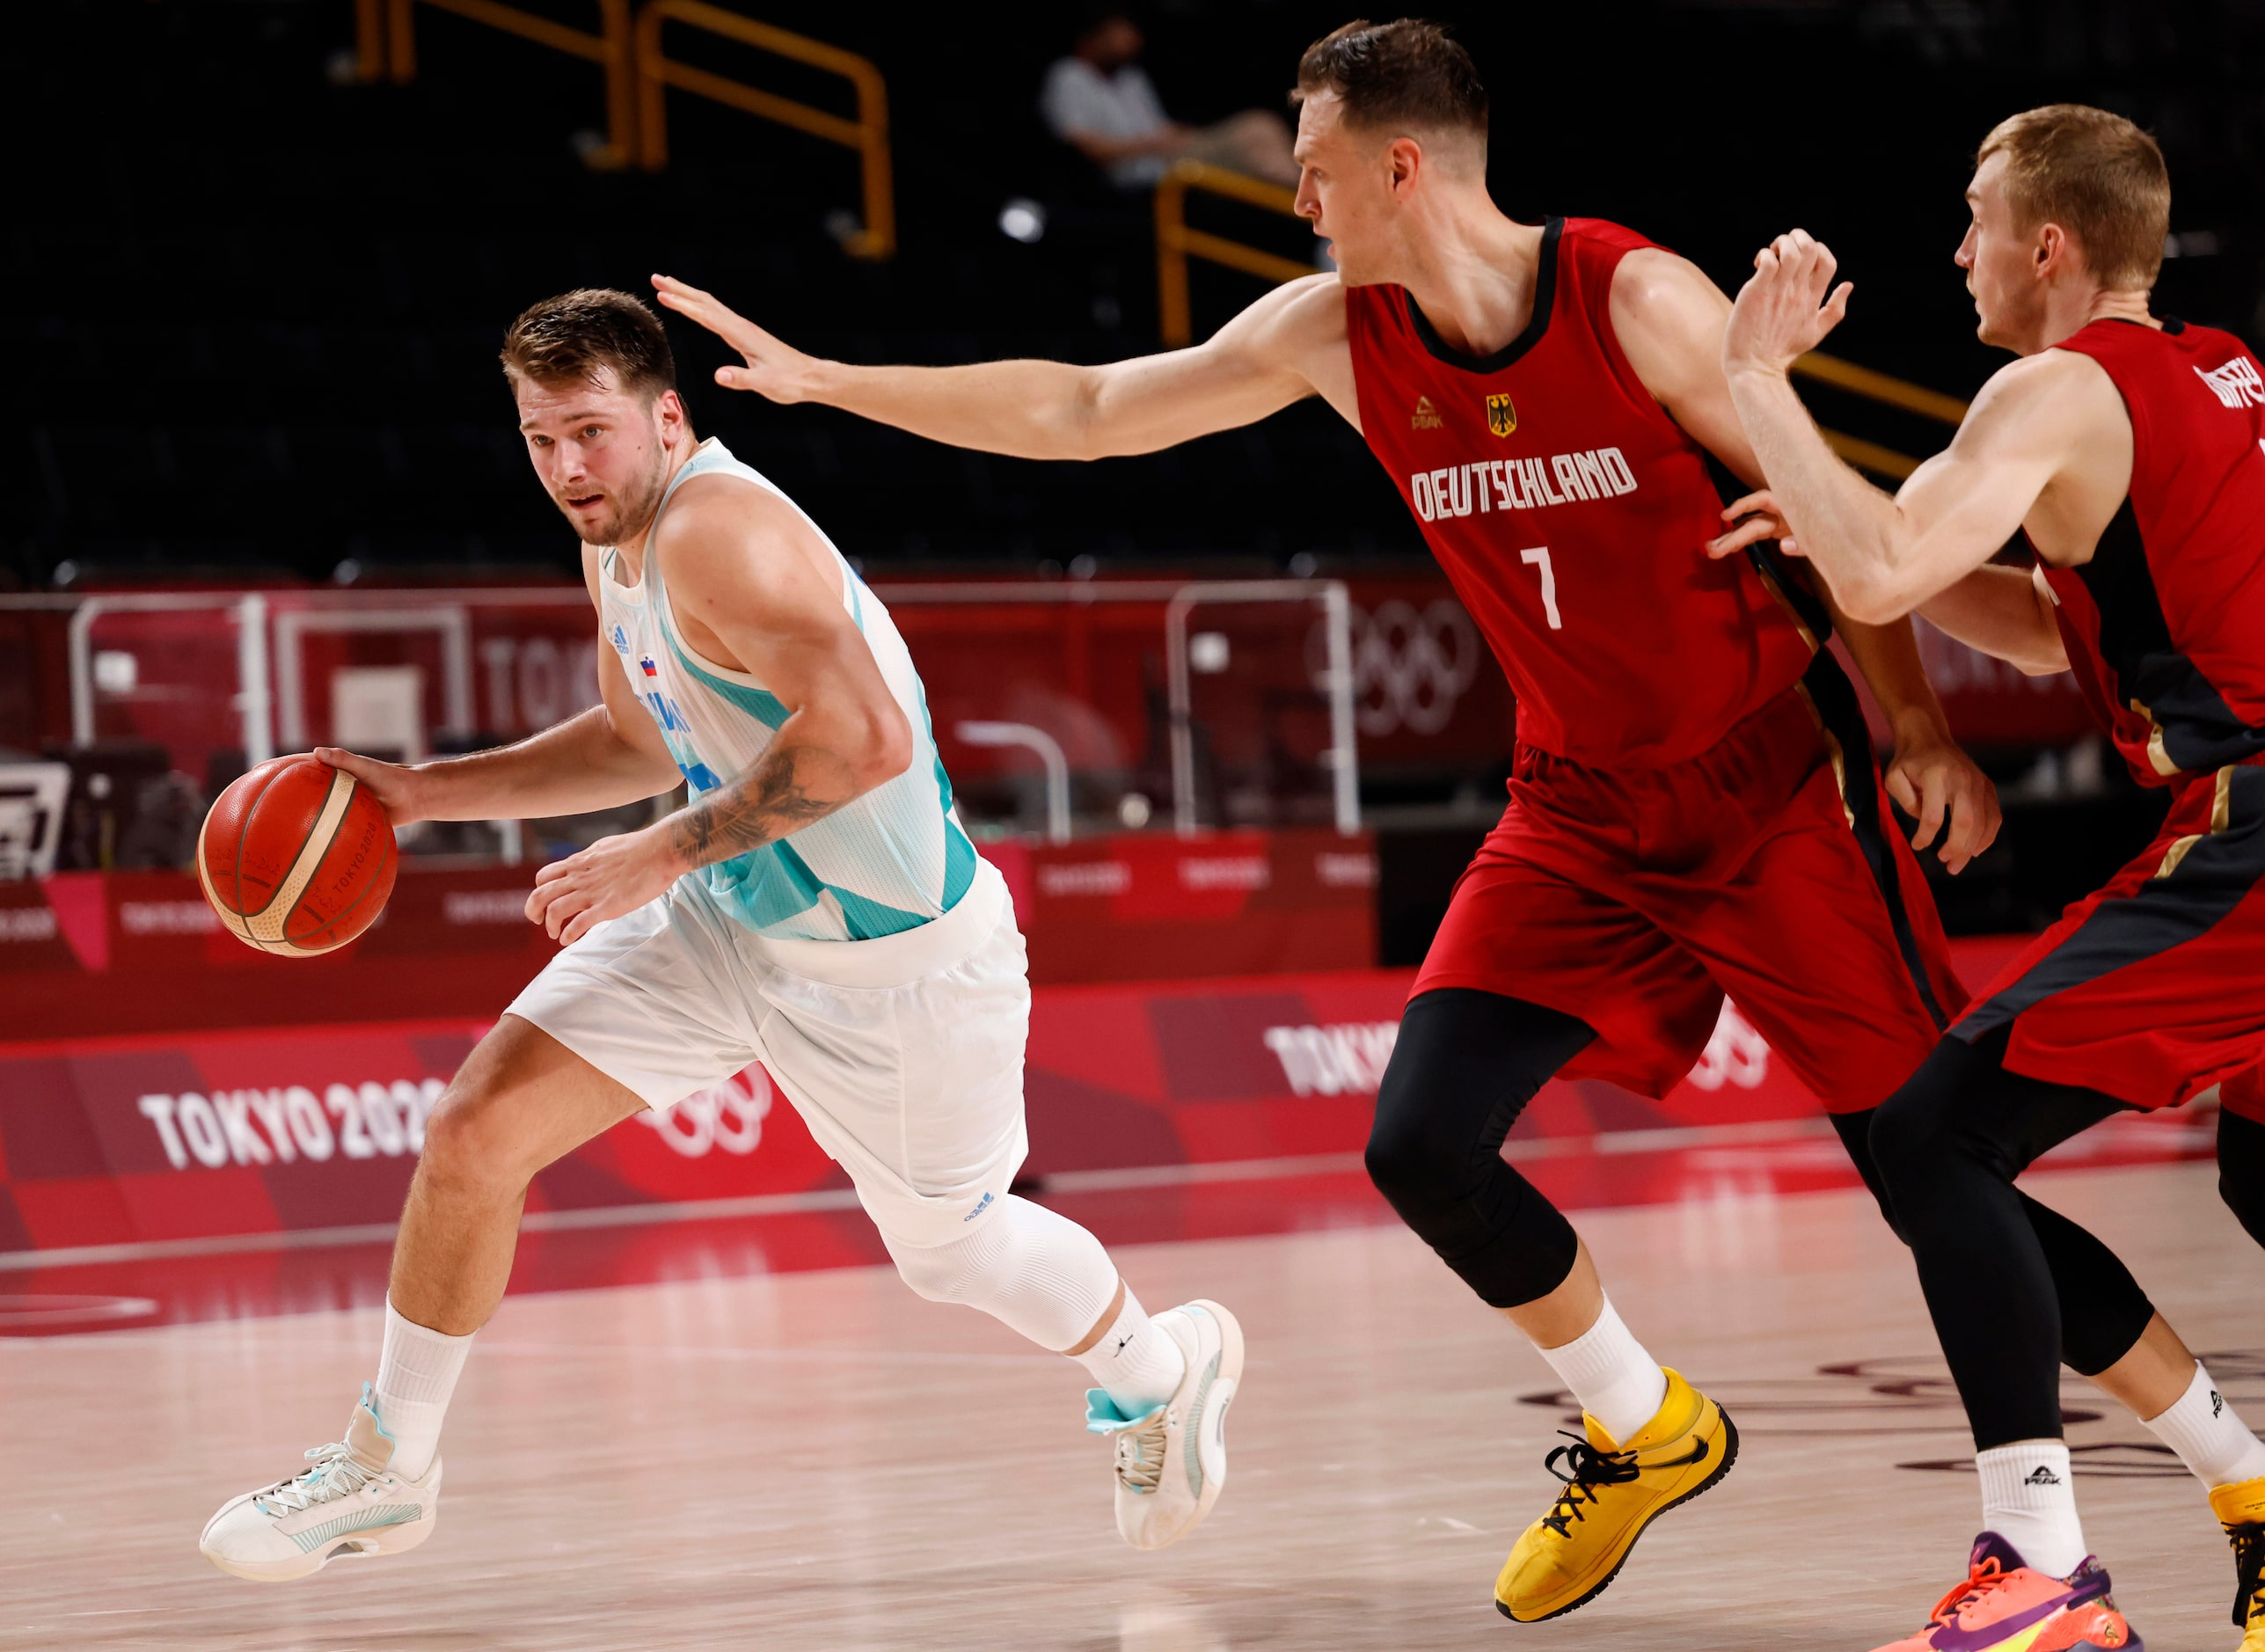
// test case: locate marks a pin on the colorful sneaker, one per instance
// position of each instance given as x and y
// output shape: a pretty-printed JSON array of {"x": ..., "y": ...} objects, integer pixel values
[
  {"x": 2005, "y": 1606},
  {"x": 348, "y": 1503},
  {"x": 2240, "y": 1508},
  {"x": 1612, "y": 1493},
  {"x": 1173, "y": 1461}
]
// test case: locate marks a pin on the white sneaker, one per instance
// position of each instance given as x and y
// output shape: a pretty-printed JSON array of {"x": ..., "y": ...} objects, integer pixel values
[
  {"x": 348, "y": 1503},
  {"x": 1171, "y": 1462}
]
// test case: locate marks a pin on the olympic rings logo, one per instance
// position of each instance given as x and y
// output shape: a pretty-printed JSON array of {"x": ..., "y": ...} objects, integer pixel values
[
  {"x": 1410, "y": 666},
  {"x": 728, "y": 1115}
]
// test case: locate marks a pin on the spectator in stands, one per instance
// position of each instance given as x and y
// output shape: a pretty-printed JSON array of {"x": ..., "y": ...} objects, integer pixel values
[{"x": 1098, "y": 101}]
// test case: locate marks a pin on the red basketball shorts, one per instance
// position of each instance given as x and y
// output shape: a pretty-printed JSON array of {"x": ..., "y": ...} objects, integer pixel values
[
  {"x": 1768, "y": 868},
  {"x": 2153, "y": 989}
]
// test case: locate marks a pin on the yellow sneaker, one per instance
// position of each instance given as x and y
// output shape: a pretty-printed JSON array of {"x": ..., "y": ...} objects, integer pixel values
[
  {"x": 2240, "y": 1509},
  {"x": 1612, "y": 1493}
]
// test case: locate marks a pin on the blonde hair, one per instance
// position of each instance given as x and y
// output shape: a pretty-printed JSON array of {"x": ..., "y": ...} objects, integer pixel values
[{"x": 2096, "y": 175}]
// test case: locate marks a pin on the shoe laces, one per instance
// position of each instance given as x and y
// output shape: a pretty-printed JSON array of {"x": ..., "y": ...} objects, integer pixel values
[
  {"x": 1981, "y": 1580},
  {"x": 336, "y": 1473},
  {"x": 1140, "y": 1453},
  {"x": 2248, "y": 1541},
  {"x": 1586, "y": 1468}
]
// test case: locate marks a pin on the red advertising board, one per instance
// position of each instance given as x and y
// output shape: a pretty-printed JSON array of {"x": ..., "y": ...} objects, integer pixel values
[
  {"x": 86, "y": 953},
  {"x": 184, "y": 1136}
]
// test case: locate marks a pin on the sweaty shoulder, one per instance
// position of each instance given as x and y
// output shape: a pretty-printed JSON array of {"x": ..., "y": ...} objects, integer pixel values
[
  {"x": 1668, "y": 316},
  {"x": 2055, "y": 398},
  {"x": 1299, "y": 332},
  {"x": 716, "y": 522},
  {"x": 1288, "y": 325}
]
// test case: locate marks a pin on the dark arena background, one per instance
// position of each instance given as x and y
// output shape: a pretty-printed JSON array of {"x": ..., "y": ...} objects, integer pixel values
[{"x": 1215, "y": 713}]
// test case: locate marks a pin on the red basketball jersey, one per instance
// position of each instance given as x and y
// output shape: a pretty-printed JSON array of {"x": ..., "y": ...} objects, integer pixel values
[
  {"x": 2165, "y": 624},
  {"x": 1572, "y": 514}
]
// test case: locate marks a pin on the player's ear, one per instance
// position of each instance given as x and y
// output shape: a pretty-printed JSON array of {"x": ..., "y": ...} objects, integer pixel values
[{"x": 1404, "y": 159}]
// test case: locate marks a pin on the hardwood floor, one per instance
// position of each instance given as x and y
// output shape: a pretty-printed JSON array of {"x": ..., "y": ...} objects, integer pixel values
[{"x": 822, "y": 1460}]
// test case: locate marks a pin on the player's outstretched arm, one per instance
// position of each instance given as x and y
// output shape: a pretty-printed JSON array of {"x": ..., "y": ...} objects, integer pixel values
[
  {"x": 602, "y": 757},
  {"x": 1272, "y": 355},
  {"x": 1884, "y": 556},
  {"x": 758, "y": 579}
]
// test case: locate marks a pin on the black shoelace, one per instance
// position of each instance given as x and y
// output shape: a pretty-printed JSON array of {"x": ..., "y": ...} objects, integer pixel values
[
  {"x": 2248, "y": 1541},
  {"x": 1585, "y": 1469}
]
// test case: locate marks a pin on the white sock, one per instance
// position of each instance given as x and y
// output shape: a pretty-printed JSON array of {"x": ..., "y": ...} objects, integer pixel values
[
  {"x": 2028, "y": 1498},
  {"x": 1609, "y": 1372},
  {"x": 1138, "y": 1365},
  {"x": 2209, "y": 1436},
  {"x": 416, "y": 1374}
]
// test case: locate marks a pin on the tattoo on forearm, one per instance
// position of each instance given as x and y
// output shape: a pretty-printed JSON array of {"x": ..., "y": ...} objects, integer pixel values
[{"x": 785, "y": 792}]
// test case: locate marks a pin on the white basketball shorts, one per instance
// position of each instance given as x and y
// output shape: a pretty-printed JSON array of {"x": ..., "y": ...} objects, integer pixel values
[{"x": 904, "y": 1054}]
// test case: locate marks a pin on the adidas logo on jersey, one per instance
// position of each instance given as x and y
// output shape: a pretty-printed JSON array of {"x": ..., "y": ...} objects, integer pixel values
[
  {"x": 2236, "y": 384},
  {"x": 1426, "y": 417}
]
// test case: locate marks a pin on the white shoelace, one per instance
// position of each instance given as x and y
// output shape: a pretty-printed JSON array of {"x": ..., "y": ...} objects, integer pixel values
[
  {"x": 1140, "y": 1453},
  {"x": 335, "y": 1474}
]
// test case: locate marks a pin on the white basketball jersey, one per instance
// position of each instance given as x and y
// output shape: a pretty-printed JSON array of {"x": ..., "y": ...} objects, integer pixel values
[{"x": 893, "y": 859}]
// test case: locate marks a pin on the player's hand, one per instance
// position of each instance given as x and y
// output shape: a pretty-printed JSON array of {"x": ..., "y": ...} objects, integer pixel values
[
  {"x": 773, "y": 370},
  {"x": 398, "y": 789},
  {"x": 1932, "y": 780},
  {"x": 1753, "y": 519},
  {"x": 1786, "y": 307},
  {"x": 613, "y": 876}
]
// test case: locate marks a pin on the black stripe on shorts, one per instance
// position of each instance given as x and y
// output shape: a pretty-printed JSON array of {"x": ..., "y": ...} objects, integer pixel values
[
  {"x": 1834, "y": 699},
  {"x": 2218, "y": 871}
]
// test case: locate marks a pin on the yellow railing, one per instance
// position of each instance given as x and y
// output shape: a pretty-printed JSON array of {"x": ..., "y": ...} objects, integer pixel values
[
  {"x": 868, "y": 133},
  {"x": 1176, "y": 244},
  {"x": 610, "y": 49}
]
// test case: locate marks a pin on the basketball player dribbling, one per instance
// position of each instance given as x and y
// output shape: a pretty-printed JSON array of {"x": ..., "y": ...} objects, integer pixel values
[
  {"x": 1692, "y": 807},
  {"x": 2128, "y": 449},
  {"x": 816, "y": 906}
]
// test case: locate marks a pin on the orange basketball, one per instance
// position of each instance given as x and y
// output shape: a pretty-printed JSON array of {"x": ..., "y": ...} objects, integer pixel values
[{"x": 296, "y": 858}]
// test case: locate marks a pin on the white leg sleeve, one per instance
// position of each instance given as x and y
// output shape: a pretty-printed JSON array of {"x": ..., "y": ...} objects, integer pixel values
[{"x": 1038, "y": 1274}]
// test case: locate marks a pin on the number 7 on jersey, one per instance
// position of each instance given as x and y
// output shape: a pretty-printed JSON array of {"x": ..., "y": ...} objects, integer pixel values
[{"x": 1538, "y": 557}]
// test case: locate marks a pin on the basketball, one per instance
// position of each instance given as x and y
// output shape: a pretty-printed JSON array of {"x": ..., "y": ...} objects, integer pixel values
[{"x": 296, "y": 858}]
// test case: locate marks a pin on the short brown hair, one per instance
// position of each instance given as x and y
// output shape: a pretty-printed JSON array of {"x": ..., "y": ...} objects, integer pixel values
[
  {"x": 592, "y": 331},
  {"x": 1409, "y": 75},
  {"x": 2096, "y": 175}
]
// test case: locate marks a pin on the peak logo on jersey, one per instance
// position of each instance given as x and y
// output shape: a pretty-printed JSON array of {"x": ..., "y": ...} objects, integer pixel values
[
  {"x": 2236, "y": 384},
  {"x": 1501, "y": 418},
  {"x": 1426, "y": 417},
  {"x": 645, "y": 664}
]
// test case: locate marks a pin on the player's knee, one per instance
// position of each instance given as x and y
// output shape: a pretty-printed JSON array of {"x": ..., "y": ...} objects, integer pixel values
[
  {"x": 2241, "y": 1170},
  {"x": 1404, "y": 1160},
  {"x": 1912, "y": 1142},
  {"x": 478, "y": 1135},
  {"x": 946, "y": 1273}
]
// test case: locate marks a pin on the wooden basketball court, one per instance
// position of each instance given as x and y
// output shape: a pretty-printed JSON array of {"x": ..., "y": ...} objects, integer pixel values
[{"x": 822, "y": 1460}]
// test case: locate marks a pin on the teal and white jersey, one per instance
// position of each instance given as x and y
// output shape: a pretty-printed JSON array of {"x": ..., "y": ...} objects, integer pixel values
[{"x": 892, "y": 860}]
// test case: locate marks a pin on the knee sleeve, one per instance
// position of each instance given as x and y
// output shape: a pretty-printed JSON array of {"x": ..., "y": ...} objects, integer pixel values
[
  {"x": 2103, "y": 1310},
  {"x": 1855, "y": 1132},
  {"x": 1038, "y": 1274},
  {"x": 2241, "y": 1170},
  {"x": 1464, "y": 1066}
]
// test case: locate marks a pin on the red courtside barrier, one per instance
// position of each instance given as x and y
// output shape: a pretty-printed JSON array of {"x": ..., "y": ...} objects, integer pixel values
[{"x": 187, "y": 1137}]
